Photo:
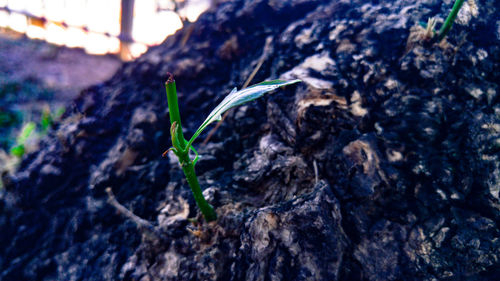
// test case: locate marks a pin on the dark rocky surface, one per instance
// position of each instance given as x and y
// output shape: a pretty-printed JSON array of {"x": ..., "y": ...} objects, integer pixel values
[{"x": 405, "y": 138}]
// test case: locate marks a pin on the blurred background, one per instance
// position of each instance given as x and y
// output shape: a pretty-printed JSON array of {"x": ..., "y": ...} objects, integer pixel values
[
  {"x": 50, "y": 50},
  {"x": 100, "y": 27}
]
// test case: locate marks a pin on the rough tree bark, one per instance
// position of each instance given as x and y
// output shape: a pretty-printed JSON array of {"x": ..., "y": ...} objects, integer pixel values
[{"x": 405, "y": 141}]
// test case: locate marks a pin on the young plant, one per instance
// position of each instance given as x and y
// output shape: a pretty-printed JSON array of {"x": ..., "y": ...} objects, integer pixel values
[
  {"x": 181, "y": 147},
  {"x": 19, "y": 148},
  {"x": 437, "y": 36},
  {"x": 48, "y": 118}
]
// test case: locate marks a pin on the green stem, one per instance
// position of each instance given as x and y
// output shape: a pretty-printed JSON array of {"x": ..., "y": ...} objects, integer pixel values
[
  {"x": 173, "y": 107},
  {"x": 206, "y": 209},
  {"x": 183, "y": 153},
  {"x": 449, "y": 20}
]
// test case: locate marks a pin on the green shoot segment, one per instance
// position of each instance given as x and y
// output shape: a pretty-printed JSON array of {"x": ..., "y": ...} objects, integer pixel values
[
  {"x": 173, "y": 107},
  {"x": 181, "y": 150},
  {"x": 449, "y": 20},
  {"x": 181, "y": 147}
]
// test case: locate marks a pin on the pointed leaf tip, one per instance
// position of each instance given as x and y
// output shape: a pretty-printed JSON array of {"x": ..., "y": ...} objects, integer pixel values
[{"x": 278, "y": 82}]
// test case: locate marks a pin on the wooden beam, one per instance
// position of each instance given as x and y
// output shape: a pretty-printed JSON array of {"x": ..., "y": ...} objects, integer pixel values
[{"x": 126, "y": 23}]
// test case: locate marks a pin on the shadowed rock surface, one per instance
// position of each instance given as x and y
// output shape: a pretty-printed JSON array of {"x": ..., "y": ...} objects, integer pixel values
[{"x": 405, "y": 139}]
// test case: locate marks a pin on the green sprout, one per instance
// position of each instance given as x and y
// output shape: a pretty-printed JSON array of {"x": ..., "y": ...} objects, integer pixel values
[
  {"x": 30, "y": 130},
  {"x": 48, "y": 118},
  {"x": 19, "y": 148},
  {"x": 181, "y": 147},
  {"x": 429, "y": 34}
]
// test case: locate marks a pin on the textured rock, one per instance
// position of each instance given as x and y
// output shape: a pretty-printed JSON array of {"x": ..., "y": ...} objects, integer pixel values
[
  {"x": 300, "y": 239},
  {"x": 381, "y": 165}
]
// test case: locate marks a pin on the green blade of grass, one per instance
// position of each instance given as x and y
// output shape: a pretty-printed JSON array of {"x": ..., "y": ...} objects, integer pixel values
[{"x": 445, "y": 28}]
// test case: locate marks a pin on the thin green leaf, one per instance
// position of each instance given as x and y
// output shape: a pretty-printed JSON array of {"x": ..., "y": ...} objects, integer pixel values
[
  {"x": 46, "y": 121},
  {"x": 25, "y": 132},
  {"x": 240, "y": 97}
]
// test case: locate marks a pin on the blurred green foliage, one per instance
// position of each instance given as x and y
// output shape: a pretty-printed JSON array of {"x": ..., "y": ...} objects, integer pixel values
[
  {"x": 48, "y": 118},
  {"x": 19, "y": 148},
  {"x": 19, "y": 101},
  {"x": 9, "y": 119}
]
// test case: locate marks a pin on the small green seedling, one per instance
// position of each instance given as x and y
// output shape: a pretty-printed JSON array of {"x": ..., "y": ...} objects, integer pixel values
[
  {"x": 18, "y": 149},
  {"x": 438, "y": 36},
  {"x": 48, "y": 118},
  {"x": 181, "y": 147},
  {"x": 30, "y": 129}
]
